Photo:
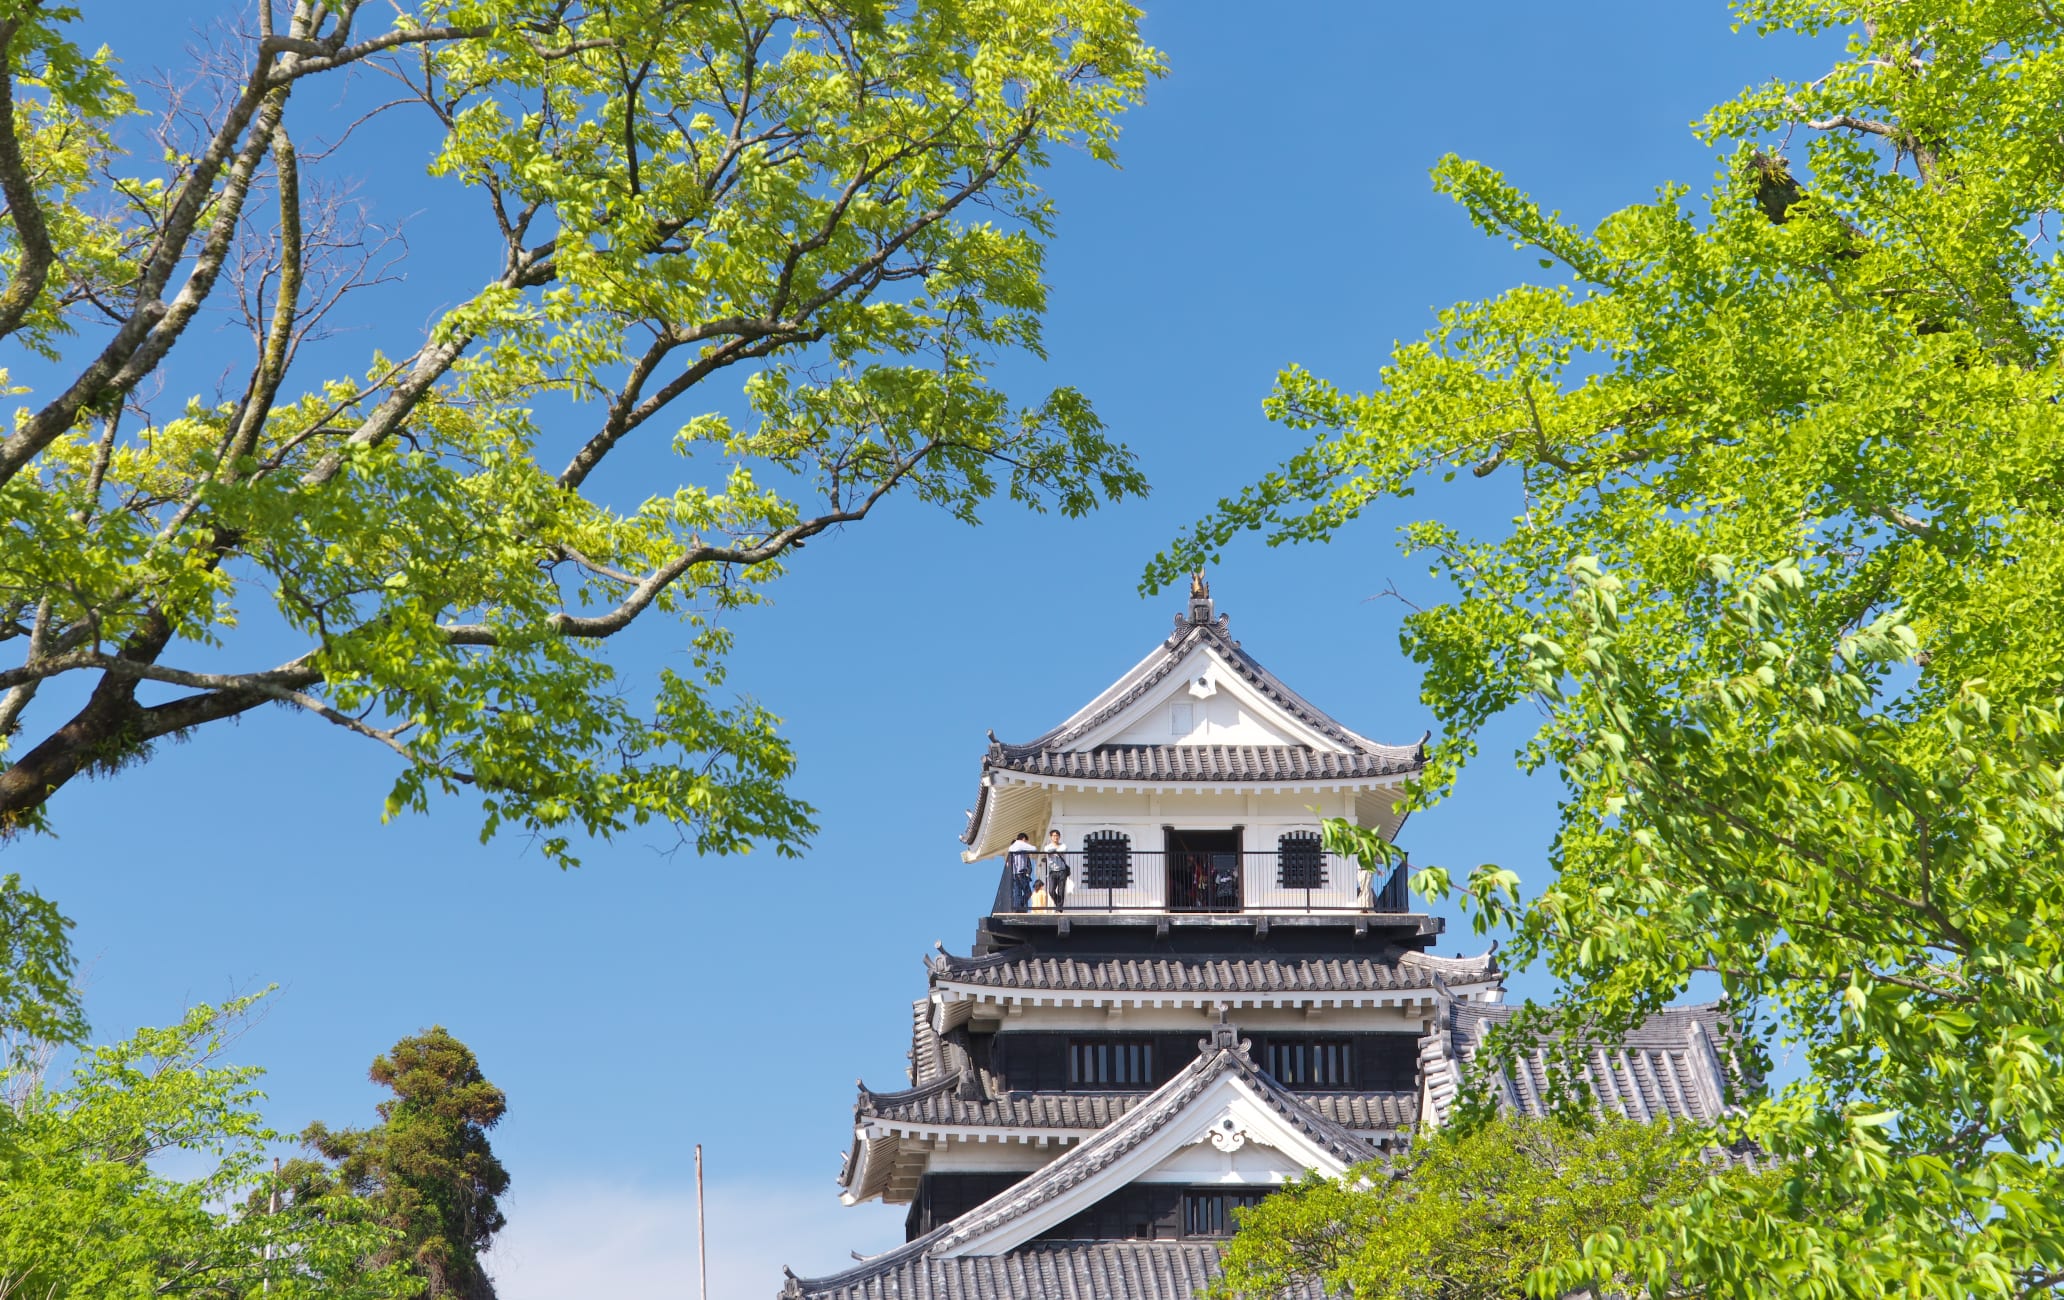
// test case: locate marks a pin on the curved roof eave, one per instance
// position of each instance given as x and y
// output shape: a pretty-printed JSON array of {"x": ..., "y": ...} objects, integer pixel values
[{"x": 1082, "y": 1162}]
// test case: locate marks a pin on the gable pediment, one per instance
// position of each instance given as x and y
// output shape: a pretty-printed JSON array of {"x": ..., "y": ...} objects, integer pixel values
[
  {"x": 1202, "y": 701},
  {"x": 1198, "y": 710},
  {"x": 1220, "y": 1123}
]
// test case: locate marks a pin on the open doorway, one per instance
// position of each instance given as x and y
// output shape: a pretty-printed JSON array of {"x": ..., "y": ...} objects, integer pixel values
[{"x": 1203, "y": 871}]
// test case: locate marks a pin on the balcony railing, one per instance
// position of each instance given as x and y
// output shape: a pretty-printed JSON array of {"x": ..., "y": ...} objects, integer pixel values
[{"x": 1140, "y": 880}]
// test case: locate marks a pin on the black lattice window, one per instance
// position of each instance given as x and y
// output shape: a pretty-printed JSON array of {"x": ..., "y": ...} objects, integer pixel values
[
  {"x": 1300, "y": 863},
  {"x": 1110, "y": 1062},
  {"x": 1210, "y": 1214},
  {"x": 1312, "y": 1062},
  {"x": 1106, "y": 860}
]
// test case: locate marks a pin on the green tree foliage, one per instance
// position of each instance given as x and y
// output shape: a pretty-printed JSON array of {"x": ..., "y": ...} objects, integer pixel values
[
  {"x": 836, "y": 204},
  {"x": 1784, "y": 574},
  {"x": 1466, "y": 1215},
  {"x": 39, "y": 1004},
  {"x": 83, "y": 1213},
  {"x": 426, "y": 1173}
]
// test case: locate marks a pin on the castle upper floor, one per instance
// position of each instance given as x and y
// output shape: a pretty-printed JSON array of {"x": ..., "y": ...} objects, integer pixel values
[{"x": 1194, "y": 786}]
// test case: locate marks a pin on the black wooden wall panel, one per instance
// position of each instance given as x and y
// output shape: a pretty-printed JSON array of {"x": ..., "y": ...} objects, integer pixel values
[{"x": 1037, "y": 1060}]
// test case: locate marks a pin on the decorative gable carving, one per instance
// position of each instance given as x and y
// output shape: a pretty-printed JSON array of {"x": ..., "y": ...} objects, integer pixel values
[{"x": 1183, "y": 1133}]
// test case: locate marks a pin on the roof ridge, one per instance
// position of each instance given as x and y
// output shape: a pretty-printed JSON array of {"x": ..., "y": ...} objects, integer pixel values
[
  {"x": 1159, "y": 1107},
  {"x": 1390, "y": 967},
  {"x": 1486, "y": 960},
  {"x": 923, "y": 1090},
  {"x": 1224, "y": 1053},
  {"x": 987, "y": 961},
  {"x": 1215, "y": 636},
  {"x": 872, "y": 1266},
  {"x": 1121, "y": 1269},
  {"x": 1207, "y": 1065}
]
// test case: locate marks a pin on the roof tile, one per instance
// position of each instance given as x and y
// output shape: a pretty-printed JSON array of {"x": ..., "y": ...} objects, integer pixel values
[
  {"x": 1385, "y": 971},
  {"x": 1118, "y": 1270},
  {"x": 936, "y": 1104}
]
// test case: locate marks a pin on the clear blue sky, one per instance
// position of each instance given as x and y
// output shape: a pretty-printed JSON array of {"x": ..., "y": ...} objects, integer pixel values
[{"x": 1273, "y": 207}]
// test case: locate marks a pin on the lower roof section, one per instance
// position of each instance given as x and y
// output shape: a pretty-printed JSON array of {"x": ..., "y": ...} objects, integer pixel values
[
  {"x": 1208, "y": 932},
  {"x": 935, "y": 1110},
  {"x": 1674, "y": 1066},
  {"x": 1220, "y": 1120},
  {"x": 1104, "y": 1270},
  {"x": 1035, "y": 970}
]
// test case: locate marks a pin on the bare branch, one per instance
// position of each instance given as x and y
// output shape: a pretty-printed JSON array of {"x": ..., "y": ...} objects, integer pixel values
[{"x": 1850, "y": 122}]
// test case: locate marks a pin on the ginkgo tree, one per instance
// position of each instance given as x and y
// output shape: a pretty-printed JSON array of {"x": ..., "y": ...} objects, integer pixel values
[
  {"x": 1784, "y": 576},
  {"x": 787, "y": 241}
]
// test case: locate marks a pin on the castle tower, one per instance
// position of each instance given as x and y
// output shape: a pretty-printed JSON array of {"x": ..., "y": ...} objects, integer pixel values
[{"x": 1214, "y": 1006}]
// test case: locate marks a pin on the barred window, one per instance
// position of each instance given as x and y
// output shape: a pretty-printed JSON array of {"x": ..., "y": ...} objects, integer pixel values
[
  {"x": 1210, "y": 1214},
  {"x": 1110, "y": 1062},
  {"x": 1312, "y": 1062},
  {"x": 1106, "y": 860},
  {"x": 1300, "y": 863}
]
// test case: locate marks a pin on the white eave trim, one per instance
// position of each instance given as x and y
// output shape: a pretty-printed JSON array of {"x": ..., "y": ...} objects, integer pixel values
[
  {"x": 948, "y": 991},
  {"x": 906, "y": 1131},
  {"x": 1270, "y": 785},
  {"x": 978, "y": 1135}
]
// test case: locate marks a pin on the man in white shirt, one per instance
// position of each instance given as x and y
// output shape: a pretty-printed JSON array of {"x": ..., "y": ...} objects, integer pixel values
[{"x": 1019, "y": 856}]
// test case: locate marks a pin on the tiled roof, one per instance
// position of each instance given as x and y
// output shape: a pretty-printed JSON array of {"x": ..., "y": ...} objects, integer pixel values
[
  {"x": 1366, "y": 1110},
  {"x": 1256, "y": 763},
  {"x": 913, "y": 1264},
  {"x": 1112, "y": 1270},
  {"x": 1381, "y": 971},
  {"x": 1668, "y": 1067},
  {"x": 931, "y": 1057},
  {"x": 1058, "y": 753},
  {"x": 1191, "y": 632},
  {"x": 939, "y": 1104},
  {"x": 925, "y": 1107},
  {"x": 1142, "y": 1121}
]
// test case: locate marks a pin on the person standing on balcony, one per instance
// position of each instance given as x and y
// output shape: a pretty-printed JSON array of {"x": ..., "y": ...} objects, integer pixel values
[
  {"x": 1019, "y": 856},
  {"x": 1057, "y": 870},
  {"x": 1041, "y": 900}
]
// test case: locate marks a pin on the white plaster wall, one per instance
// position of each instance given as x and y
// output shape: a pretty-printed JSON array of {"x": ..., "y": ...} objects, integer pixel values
[
  {"x": 1204, "y": 703},
  {"x": 1264, "y": 815},
  {"x": 1250, "y": 1164},
  {"x": 991, "y": 1157},
  {"x": 1219, "y": 719}
]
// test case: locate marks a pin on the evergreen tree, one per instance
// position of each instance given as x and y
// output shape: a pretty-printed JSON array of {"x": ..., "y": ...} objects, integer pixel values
[
  {"x": 89, "y": 1210},
  {"x": 427, "y": 1170}
]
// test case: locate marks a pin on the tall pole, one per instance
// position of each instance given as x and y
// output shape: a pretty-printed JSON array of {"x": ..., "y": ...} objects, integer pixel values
[
  {"x": 271, "y": 1202},
  {"x": 701, "y": 1237}
]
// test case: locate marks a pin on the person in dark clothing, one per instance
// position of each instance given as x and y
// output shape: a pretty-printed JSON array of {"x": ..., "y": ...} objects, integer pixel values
[
  {"x": 1019, "y": 856},
  {"x": 1057, "y": 870}
]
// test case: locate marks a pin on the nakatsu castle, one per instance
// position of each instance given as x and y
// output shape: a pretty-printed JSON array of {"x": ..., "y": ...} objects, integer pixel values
[{"x": 1215, "y": 1006}]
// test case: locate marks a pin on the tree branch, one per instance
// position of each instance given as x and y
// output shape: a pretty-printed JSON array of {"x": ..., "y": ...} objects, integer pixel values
[
  {"x": 32, "y": 270},
  {"x": 655, "y": 583},
  {"x": 623, "y": 418}
]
